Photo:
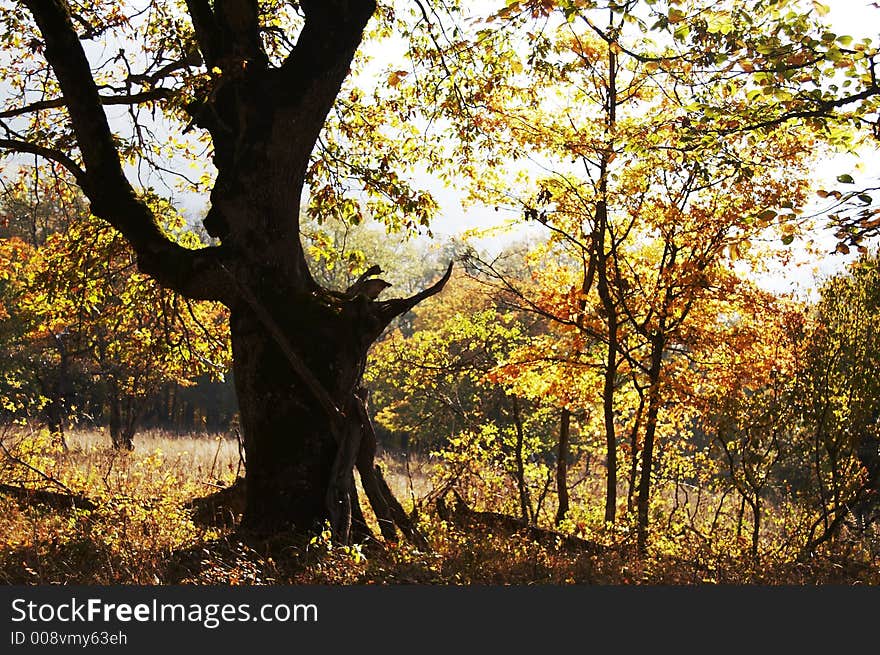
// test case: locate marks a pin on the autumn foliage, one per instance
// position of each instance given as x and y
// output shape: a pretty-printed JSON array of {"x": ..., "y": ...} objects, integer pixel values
[{"x": 611, "y": 388}]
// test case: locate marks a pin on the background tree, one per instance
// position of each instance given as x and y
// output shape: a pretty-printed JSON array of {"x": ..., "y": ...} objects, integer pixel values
[
  {"x": 643, "y": 214},
  {"x": 838, "y": 391},
  {"x": 87, "y": 298},
  {"x": 447, "y": 388},
  {"x": 744, "y": 396}
]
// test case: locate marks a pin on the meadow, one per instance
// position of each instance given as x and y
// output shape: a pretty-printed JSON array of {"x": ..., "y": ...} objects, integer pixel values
[{"x": 140, "y": 527}]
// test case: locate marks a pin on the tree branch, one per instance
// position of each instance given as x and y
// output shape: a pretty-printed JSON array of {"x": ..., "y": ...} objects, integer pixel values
[
  {"x": 193, "y": 273},
  {"x": 192, "y": 58},
  {"x": 126, "y": 99},
  {"x": 313, "y": 73},
  {"x": 47, "y": 153},
  {"x": 388, "y": 310},
  {"x": 821, "y": 110}
]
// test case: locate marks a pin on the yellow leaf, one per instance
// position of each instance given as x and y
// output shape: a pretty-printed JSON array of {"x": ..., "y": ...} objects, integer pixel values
[{"x": 395, "y": 77}]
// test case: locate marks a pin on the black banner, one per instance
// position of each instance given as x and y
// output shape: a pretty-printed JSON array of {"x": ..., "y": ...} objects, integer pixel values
[{"x": 433, "y": 618}]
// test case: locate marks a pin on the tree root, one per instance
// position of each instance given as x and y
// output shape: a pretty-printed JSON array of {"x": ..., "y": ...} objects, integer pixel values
[{"x": 357, "y": 450}]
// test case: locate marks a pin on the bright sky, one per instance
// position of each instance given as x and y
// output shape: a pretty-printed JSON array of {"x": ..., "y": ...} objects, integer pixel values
[{"x": 854, "y": 17}]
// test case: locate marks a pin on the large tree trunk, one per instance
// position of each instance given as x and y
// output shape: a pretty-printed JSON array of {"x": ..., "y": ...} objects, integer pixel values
[
  {"x": 298, "y": 362},
  {"x": 290, "y": 440},
  {"x": 299, "y": 350}
]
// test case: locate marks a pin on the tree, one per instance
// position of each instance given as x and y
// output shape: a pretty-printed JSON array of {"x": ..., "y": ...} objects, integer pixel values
[
  {"x": 15, "y": 393},
  {"x": 230, "y": 70},
  {"x": 38, "y": 204},
  {"x": 89, "y": 304},
  {"x": 644, "y": 213},
  {"x": 744, "y": 398},
  {"x": 838, "y": 390},
  {"x": 454, "y": 387}
]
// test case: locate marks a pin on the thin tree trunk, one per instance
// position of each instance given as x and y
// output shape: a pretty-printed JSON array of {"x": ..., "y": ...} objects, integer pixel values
[
  {"x": 756, "y": 527},
  {"x": 525, "y": 502},
  {"x": 117, "y": 420},
  {"x": 562, "y": 465},
  {"x": 603, "y": 287},
  {"x": 608, "y": 415},
  {"x": 634, "y": 453},
  {"x": 644, "y": 497}
]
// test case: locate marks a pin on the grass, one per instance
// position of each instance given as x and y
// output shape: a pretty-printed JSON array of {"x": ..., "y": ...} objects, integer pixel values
[{"x": 142, "y": 531}]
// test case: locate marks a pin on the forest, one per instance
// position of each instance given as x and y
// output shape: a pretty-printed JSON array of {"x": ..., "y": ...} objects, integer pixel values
[{"x": 439, "y": 292}]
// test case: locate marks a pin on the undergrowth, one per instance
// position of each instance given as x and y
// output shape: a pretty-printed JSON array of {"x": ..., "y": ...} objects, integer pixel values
[{"x": 141, "y": 531}]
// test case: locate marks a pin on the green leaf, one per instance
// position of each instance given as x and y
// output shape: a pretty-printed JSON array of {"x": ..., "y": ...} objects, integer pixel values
[{"x": 846, "y": 178}]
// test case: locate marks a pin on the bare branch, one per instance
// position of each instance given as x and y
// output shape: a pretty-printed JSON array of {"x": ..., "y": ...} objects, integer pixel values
[
  {"x": 388, "y": 310},
  {"x": 47, "y": 153},
  {"x": 192, "y": 58},
  {"x": 126, "y": 99}
]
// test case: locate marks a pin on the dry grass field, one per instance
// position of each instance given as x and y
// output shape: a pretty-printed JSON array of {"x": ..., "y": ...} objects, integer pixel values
[{"x": 140, "y": 529}]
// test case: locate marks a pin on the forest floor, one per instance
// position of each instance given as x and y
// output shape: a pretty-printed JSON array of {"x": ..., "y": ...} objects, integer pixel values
[{"x": 135, "y": 525}]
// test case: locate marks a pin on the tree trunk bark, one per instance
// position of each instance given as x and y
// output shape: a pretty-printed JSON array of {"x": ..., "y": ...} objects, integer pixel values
[
  {"x": 114, "y": 400},
  {"x": 609, "y": 302},
  {"x": 756, "y": 527},
  {"x": 298, "y": 362},
  {"x": 289, "y": 442}
]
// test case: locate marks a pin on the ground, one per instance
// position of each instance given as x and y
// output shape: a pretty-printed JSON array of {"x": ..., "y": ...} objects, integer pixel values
[{"x": 143, "y": 530}]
